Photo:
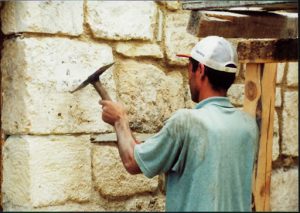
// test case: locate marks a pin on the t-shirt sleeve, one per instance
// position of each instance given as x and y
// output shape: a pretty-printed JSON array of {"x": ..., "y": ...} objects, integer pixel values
[{"x": 159, "y": 153}]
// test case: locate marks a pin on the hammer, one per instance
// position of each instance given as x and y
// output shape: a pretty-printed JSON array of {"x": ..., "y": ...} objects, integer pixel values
[{"x": 95, "y": 81}]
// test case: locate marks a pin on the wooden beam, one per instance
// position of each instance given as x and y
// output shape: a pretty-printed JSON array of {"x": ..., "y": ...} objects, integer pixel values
[
  {"x": 221, "y": 5},
  {"x": 260, "y": 82},
  {"x": 243, "y": 24},
  {"x": 268, "y": 51}
]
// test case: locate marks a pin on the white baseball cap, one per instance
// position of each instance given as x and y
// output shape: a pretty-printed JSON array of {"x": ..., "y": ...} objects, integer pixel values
[{"x": 214, "y": 52}]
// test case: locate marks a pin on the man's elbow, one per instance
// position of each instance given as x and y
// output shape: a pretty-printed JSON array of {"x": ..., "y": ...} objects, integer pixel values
[{"x": 132, "y": 167}]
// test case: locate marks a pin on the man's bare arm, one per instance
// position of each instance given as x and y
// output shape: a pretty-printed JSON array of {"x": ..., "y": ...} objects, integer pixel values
[{"x": 114, "y": 114}]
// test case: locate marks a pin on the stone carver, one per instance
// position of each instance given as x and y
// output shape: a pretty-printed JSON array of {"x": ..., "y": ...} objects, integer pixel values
[{"x": 207, "y": 152}]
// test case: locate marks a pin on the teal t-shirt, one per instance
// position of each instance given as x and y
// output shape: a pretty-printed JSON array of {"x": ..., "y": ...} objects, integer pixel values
[{"x": 207, "y": 154}]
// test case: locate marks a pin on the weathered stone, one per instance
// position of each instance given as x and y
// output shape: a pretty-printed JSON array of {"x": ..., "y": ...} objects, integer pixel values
[
  {"x": 290, "y": 124},
  {"x": 38, "y": 75},
  {"x": 170, "y": 5},
  {"x": 64, "y": 17},
  {"x": 149, "y": 95},
  {"x": 292, "y": 74},
  {"x": 135, "y": 50},
  {"x": 177, "y": 39},
  {"x": 236, "y": 94},
  {"x": 280, "y": 72},
  {"x": 111, "y": 178},
  {"x": 275, "y": 147},
  {"x": 46, "y": 170},
  {"x": 117, "y": 20},
  {"x": 285, "y": 190}
]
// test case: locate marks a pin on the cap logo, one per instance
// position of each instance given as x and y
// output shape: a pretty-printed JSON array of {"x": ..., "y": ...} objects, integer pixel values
[{"x": 197, "y": 51}]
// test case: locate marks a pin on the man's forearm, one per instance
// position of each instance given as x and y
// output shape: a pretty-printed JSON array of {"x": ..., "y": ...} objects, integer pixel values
[{"x": 126, "y": 143}]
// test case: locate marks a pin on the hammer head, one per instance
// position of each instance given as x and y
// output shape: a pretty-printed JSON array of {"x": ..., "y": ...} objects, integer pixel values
[{"x": 92, "y": 78}]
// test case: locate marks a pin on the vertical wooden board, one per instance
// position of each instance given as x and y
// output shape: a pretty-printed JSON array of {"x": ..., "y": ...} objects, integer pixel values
[
  {"x": 252, "y": 97},
  {"x": 264, "y": 163}
]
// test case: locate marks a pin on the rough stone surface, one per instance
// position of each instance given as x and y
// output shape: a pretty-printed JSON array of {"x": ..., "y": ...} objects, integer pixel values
[
  {"x": 285, "y": 190},
  {"x": 170, "y": 5},
  {"x": 290, "y": 124},
  {"x": 275, "y": 147},
  {"x": 177, "y": 39},
  {"x": 292, "y": 74},
  {"x": 280, "y": 72},
  {"x": 155, "y": 95},
  {"x": 110, "y": 177},
  {"x": 38, "y": 75},
  {"x": 64, "y": 17},
  {"x": 120, "y": 20},
  {"x": 135, "y": 50},
  {"x": 46, "y": 170}
]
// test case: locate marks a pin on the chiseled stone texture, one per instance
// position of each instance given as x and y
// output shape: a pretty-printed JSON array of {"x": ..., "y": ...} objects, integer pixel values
[
  {"x": 122, "y": 20},
  {"x": 280, "y": 72},
  {"x": 64, "y": 17},
  {"x": 177, "y": 39},
  {"x": 275, "y": 147},
  {"x": 136, "y": 50},
  {"x": 285, "y": 190},
  {"x": 38, "y": 75},
  {"x": 170, "y": 5},
  {"x": 46, "y": 170},
  {"x": 290, "y": 124},
  {"x": 292, "y": 74},
  {"x": 110, "y": 177},
  {"x": 149, "y": 95}
]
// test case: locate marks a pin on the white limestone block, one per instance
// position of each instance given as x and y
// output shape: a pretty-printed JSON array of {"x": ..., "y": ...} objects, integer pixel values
[
  {"x": 38, "y": 75},
  {"x": 292, "y": 74},
  {"x": 177, "y": 39},
  {"x": 290, "y": 129},
  {"x": 275, "y": 146},
  {"x": 138, "y": 50},
  {"x": 112, "y": 180},
  {"x": 170, "y": 5},
  {"x": 122, "y": 20},
  {"x": 55, "y": 17},
  {"x": 280, "y": 72},
  {"x": 285, "y": 190},
  {"x": 149, "y": 95},
  {"x": 46, "y": 170}
]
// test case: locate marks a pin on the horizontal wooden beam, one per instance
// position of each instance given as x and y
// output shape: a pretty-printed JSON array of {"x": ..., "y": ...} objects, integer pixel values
[
  {"x": 224, "y": 5},
  {"x": 243, "y": 24},
  {"x": 268, "y": 51}
]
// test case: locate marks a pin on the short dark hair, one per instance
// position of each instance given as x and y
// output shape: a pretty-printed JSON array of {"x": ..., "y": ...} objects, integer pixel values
[{"x": 218, "y": 79}]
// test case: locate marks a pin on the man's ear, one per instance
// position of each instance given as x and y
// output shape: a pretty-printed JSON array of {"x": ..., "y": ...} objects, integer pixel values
[{"x": 201, "y": 70}]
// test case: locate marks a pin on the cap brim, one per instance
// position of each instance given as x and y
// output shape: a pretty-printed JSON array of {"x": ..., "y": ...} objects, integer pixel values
[{"x": 183, "y": 55}]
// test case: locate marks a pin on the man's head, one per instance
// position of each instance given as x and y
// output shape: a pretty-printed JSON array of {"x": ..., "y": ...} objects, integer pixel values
[{"x": 212, "y": 59}]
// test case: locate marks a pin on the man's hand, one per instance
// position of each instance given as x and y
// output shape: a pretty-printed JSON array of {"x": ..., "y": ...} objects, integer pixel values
[{"x": 112, "y": 111}]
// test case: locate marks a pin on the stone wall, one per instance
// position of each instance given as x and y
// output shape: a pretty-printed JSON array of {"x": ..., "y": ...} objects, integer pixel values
[{"x": 59, "y": 154}]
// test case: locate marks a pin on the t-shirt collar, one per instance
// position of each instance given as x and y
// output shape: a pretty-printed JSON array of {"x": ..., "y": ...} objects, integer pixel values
[{"x": 220, "y": 101}]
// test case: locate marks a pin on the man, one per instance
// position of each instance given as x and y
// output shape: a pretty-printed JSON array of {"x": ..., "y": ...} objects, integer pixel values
[{"x": 207, "y": 152}]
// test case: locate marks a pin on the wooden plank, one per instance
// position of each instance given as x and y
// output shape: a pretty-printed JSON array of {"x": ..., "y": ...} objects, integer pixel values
[
  {"x": 264, "y": 162},
  {"x": 223, "y": 5},
  {"x": 268, "y": 51},
  {"x": 252, "y": 97},
  {"x": 243, "y": 24}
]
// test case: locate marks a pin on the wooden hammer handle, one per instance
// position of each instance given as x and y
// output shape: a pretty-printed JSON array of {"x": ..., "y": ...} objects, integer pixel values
[{"x": 101, "y": 90}]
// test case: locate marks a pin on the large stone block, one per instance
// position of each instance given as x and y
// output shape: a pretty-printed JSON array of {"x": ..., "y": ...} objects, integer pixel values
[
  {"x": 149, "y": 95},
  {"x": 292, "y": 74},
  {"x": 290, "y": 124},
  {"x": 275, "y": 146},
  {"x": 122, "y": 20},
  {"x": 170, "y": 5},
  {"x": 38, "y": 75},
  {"x": 46, "y": 170},
  {"x": 280, "y": 72},
  {"x": 112, "y": 180},
  {"x": 138, "y": 50},
  {"x": 285, "y": 190},
  {"x": 55, "y": 17},
  {"x": 177, "y": 39}
]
